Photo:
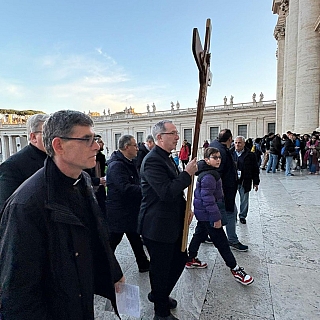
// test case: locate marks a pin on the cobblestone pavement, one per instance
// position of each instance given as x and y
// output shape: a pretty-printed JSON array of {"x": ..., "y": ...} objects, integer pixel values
[{"x": 283, "y": 235}]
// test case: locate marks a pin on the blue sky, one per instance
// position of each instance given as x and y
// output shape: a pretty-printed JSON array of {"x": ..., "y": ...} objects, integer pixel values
[{"x": 94, "y": 55}]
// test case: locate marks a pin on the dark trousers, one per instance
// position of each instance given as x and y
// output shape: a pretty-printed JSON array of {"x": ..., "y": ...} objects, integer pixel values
[
  {"x": 219, "y": 239},
  {"x": 136, "y": 245},
  {"x": 166, "y": 265}
]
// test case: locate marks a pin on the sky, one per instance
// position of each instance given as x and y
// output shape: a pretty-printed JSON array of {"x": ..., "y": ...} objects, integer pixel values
[{"x": 101, "y": 54}]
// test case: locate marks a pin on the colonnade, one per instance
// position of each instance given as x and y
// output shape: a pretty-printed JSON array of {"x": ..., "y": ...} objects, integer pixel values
[
  {"x": 11, "y": 143},
  {"x": 298, "y": 71}
]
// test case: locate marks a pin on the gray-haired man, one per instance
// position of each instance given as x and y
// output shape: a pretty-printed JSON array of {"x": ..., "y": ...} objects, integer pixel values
[
  {"x": 23, "y": 164},
  {"x": 54, "y": 249}
]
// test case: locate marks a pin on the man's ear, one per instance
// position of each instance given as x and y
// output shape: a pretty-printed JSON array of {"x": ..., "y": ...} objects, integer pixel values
[
  {"x": 33, "y": 138},
  {"x": 58, "y": 145}
]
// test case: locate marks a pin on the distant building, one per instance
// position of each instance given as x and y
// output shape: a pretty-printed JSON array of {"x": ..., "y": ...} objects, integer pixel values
[{"x": 246, "y": 119}]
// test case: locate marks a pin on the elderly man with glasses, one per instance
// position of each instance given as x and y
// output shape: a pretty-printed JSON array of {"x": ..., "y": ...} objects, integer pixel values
[
  {"x": 23, "y": 164},
  {"x": 54, "y": 248},
  {"x": 124, "y": 198},
  {"x": 162, "y": 216}
]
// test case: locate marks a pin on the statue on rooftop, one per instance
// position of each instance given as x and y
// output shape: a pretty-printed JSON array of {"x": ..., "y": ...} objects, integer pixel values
[
  {"x": 225, "y": 99},
  {"x": 231, "y": 99},
  {"x": 153, "y": 107},
  {"x": 261, "y": 96},
  {"x": 178, "y": 105},
  {"x": 254, "y": 97}
]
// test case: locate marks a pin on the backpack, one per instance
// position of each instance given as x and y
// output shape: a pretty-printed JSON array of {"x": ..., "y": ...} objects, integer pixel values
[{"x": 283, "y": 150}]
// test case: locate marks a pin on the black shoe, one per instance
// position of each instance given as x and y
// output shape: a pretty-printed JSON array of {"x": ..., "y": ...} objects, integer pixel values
[
  {"x": 243, "y": 220},
  {"x": 239, "y": 246},
  {"x": 263, "y": 169},
  {"x": 172, "y": 302},
  {"x": 169, "y": 317}
]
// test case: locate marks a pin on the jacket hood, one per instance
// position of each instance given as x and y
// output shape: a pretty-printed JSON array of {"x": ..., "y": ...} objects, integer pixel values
[{"x": 203, "y": 166}]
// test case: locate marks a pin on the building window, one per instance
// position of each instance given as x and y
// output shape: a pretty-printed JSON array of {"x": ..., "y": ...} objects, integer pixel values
[
  {"x": 139, "y": 137},
  {"x": 214, "y": 133},
  {"x": 116, "y": 138},
  {"x": 187, "y": 135},
  {"x": 271, "y": 127},
  {"x": 242, "y": 130}
]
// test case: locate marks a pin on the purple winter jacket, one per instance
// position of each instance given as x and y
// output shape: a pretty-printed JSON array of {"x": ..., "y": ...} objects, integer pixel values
[{"x": 206, "y": 195}]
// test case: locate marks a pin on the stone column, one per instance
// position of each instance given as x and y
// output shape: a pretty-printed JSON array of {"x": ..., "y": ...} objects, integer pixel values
[
  {"x": 280, "y": 7},
  {"x": 289, "y": 97},
  {"x": 5, "y": 148},
  {"x": 12, "y": 145},
  {"x": 308, "y": 68}
]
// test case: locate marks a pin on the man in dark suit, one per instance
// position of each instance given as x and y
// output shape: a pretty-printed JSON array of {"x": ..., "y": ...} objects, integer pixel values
[
  {"x": 228, "y": 173},
  {"x": 23, "y": 164},
  {"x": 162, "y": 215}
]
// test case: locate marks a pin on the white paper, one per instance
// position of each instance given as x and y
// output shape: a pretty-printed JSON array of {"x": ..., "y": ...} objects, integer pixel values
[{"x": 128, "y": 301}]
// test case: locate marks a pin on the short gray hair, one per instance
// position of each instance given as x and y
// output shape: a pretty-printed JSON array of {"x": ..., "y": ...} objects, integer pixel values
[
  {"x": 150, "y": 138},
  {"x": 159, "y": 128},
  {"x": 35, "y": 121},
  {"x": 241, "y": 137},
  {"x": 124, "y": 141},
  {"x": 61, "y": 124}
]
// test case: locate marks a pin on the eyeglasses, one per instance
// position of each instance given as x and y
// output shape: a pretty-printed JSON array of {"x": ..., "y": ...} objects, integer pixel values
[
  {"x": 172, "y": 133},
  {"x": 215, "y": 157},
  {"x": 89, "y": 140},
  {"x": 38, "y": 132}
]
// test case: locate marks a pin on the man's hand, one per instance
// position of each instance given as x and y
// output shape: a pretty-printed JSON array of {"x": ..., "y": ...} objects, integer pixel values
[
  {"x": 217, "y": 224},
  {"x": 103, "y": 181},
  {"x": 117, "y": 284},
  {"x": 190, "y": 217},
  {"x": 192, "y": 167},
  {"x": 255, "y": 187}
]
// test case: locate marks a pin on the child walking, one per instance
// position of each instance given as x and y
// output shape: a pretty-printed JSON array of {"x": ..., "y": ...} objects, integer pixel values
[{"x": 208, "y": 204}]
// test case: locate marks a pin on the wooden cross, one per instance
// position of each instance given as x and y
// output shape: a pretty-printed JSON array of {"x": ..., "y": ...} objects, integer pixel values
[{"x": 202, "y": 57}]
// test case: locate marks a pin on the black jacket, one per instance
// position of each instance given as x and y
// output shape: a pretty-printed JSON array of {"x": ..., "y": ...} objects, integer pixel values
[
  {"x": 228, "y": 173},
  {"x": 49, "y": 270},
  {"x": 124, "y": 194},
  {"x": 163, "y": 203},
  {"x": 143, "y": 151},
  {"x": 275, "y": 146},
  {"x": 290, "y": 149},
  {"x": 18, "y": 168},
  {"x": 250, "y": 169}
]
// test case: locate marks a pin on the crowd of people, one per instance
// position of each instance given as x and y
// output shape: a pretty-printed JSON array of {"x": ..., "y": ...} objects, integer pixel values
[
  {"x": 288, "y": 152},
  {"x": 65, "y": 209}
]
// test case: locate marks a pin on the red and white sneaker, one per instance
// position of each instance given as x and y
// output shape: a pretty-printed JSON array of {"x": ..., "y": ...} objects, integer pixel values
[
  {"x": 195, "y": 263},
  {"x": 241, "y": 276}
]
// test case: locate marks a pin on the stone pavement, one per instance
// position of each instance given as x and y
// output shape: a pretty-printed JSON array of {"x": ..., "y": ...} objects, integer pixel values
[{"x": 283, "y": 234}]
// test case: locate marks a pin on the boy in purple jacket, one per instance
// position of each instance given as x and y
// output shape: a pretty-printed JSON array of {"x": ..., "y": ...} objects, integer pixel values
[{"x": 208, "y": 205}]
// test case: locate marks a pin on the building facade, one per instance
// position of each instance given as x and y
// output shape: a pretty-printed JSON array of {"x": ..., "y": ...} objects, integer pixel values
[
  {"x": 252, "y": 119},
  {"x": 298, "y": 69}
]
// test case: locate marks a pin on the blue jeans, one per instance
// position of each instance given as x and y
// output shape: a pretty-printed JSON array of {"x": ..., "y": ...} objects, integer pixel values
[
  {"x": 231, "y": 225},
  {"x": 244, "y": 202},
  {"x": 273, "y": 161},
  {"x": 288, "y": 165}
]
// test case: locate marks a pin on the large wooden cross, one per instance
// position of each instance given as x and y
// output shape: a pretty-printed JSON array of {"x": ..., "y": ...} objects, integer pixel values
[{"x": 202, "y": 57}]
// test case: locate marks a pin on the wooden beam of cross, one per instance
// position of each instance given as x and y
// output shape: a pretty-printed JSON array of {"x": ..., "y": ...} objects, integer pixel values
[{"x": 202, "y": 57}]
